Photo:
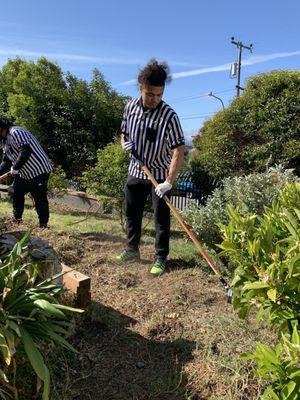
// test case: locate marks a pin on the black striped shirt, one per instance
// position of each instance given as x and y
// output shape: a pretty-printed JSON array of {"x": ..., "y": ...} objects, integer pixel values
[
  {"x": 155, "y": 134},
  {"x": 38, "y": 163}
]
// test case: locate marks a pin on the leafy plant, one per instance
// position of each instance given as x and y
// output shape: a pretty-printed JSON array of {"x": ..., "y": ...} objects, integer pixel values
[
  {"x": 265, "y": 252},
  {"x": 71, "y": 117},
  {"x": 280, "y": 366},
  {"x": 251, "y": 193},
  {"x": 30, "y": 318},
  {"x": 58, "y": 181},
  {"x": 258, "y": 129},
  {"x": 108, "y": 176}
]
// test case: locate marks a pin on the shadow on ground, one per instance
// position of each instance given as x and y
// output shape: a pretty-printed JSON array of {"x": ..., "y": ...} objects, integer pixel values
[{"x": 123, "y": 365}]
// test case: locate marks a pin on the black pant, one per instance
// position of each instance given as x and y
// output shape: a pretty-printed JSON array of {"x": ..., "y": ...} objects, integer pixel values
[
  {"x": 136, "y": 193},
  {"x": 37, "y": 187}
]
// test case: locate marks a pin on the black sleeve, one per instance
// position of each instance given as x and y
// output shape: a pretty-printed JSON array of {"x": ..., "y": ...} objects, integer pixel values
[
  {"x": 23, "y": 156},
  {"x": 5, "y": 164}
]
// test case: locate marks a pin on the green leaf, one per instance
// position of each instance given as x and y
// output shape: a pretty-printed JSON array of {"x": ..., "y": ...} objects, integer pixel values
[
  {"x": 49, "y": 308},
  {"x": 14, "y": 327},
  {"x": 268, "y": 354},
  {"x": 255, "y": 285},
  {"x": 294, "y": 374},
  {"x": 288, "y": 389},
  {"x": 67, "y": 308},
  {"x": 293, "y": 261},
  {"x": 295, "y": 336},
  {"x": 4, "y": 349},
  {"x": 297, "y": 211},
  {"x": 36, "y": 360},
  {"x": 271, "y": 293},
  {"x": 3, "y": 376}
]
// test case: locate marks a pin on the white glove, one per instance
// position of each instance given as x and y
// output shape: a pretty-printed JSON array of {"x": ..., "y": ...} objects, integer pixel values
[
  {"x": 127, "y": 145},
  {"x": 13, "y": 171},
  {"x": 162, "y": 188}
]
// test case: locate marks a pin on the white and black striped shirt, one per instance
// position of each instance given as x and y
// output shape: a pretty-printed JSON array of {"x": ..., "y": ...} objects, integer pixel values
[
  {"x": 155, "y": 134},
  {"x": 38, "y": 163}
]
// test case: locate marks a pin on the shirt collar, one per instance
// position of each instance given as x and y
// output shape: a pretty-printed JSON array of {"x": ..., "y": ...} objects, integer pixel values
[{"x": 148, "y": 111}]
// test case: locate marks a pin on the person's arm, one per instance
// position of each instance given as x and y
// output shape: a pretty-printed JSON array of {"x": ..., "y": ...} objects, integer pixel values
[
  {"x": 24, "y": 154},
  {"x": 176, "y": 161},
  {"x": 177, "y": 157},
  {"x": 5, "y": 164}
]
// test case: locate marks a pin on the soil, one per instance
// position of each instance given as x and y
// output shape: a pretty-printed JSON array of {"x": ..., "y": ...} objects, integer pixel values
[{"x": 168, "y": 338}]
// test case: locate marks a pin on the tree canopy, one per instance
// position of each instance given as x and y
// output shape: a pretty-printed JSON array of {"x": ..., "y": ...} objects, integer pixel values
[
  {"x": 71, "y": 117},
  {"x": 260, "y": 128}
]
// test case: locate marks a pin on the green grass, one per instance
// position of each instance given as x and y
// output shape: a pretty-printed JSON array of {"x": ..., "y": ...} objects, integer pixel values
[{"x": 181, "y": 246}]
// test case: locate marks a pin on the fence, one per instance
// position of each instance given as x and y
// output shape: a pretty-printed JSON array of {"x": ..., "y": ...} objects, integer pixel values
[{"x": 185, "y": 194}]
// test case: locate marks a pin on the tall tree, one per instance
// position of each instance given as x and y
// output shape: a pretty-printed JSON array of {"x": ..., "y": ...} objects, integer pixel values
[
  {"x": 71, "y": 117},
  {"x": 260, "y": 128}
]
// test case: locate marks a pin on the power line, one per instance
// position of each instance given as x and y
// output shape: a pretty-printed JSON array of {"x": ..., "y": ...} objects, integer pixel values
[
  {"x": 196, "y": 116},
  {"x": 187, "y": 98}
]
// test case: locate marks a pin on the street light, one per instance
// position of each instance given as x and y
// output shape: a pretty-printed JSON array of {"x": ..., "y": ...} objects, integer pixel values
[{"x": 210, "y": 94}]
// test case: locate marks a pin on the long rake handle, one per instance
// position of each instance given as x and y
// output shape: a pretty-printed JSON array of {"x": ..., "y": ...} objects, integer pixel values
[
  {"x": 183, "y": 224},
  {"x": 5, "y": 175}
]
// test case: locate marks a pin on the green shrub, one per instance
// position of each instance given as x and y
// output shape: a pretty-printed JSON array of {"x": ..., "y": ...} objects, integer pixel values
[
  {"x": 251, "y": 193},
  {"x": 58, "y": 181},
  {"x": 259, "y": 128},
  {"x": 265, "y": 251},
  {"x": 30, "y": 318},
  {"x": 281, "y": 367},
  {"x": 108, "y": 176}
]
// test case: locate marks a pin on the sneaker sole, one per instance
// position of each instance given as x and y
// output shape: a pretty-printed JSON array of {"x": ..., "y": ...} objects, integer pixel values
[{"x": 128, "y": 260}]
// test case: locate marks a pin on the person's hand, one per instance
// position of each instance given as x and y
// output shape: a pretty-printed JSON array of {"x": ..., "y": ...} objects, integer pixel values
[
  {"x": 13, "y": 171},
  {"x": 127, "y": 145},
  {"x": 162, "y": 188}
]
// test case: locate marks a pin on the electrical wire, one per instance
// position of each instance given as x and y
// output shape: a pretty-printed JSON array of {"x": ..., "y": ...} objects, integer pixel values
[{"x": 187, "y": 98}]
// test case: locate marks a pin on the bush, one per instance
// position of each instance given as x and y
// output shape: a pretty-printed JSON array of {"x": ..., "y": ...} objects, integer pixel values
[
  {"x": 281, "y": 367},
  {"x": 260, "y": 128},
  {"x": 265, "y": 251},
  {"x": 108, "y": 177},
  {"x": 58, "y": 181},
  {"x": 251, "y": 193}
]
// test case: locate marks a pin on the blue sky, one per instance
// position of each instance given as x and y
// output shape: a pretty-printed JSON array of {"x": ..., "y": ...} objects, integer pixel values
[{"x": 119, "y": 37}]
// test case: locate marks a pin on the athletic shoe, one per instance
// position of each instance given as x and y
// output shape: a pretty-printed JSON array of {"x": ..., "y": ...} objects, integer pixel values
[
  {"x": 43, "y": 226},
  {"x": 128, "y": 255},
  {"x": 158, "y": 267}
]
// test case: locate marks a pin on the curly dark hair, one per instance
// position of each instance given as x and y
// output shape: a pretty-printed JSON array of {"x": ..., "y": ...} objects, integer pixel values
[
  {"x": 4, "y": 123},
  {"x": 154, "y": 74}
]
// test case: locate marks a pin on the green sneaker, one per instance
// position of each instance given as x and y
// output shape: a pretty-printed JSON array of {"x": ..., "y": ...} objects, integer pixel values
[
  {"x": 158, "y": 267},
  {"x": 128, "y": 255}
]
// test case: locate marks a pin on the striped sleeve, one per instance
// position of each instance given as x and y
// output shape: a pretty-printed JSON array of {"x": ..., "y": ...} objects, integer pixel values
[
  {"x": 175, "y": 136},
  {"x": 20, "y": 138},
  {"x": 124, "y": 127}
]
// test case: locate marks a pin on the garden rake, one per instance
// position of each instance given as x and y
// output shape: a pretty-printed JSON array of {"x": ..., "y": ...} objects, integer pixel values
[
  {"x": 186, "y": 228},
  {"x": 5, "y": 175}
]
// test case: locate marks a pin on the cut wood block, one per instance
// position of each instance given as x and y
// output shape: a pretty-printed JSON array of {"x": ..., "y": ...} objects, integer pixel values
[{"x": 79, "y": 284}]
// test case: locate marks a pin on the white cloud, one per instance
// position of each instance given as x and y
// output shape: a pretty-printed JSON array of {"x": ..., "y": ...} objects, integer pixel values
[
  {"x": 254, "y": 59},
  {"x": 66, "y": 57}
]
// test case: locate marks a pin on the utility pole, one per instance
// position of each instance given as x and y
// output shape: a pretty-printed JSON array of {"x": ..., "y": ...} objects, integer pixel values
[{"x": 240, "y": 46}]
